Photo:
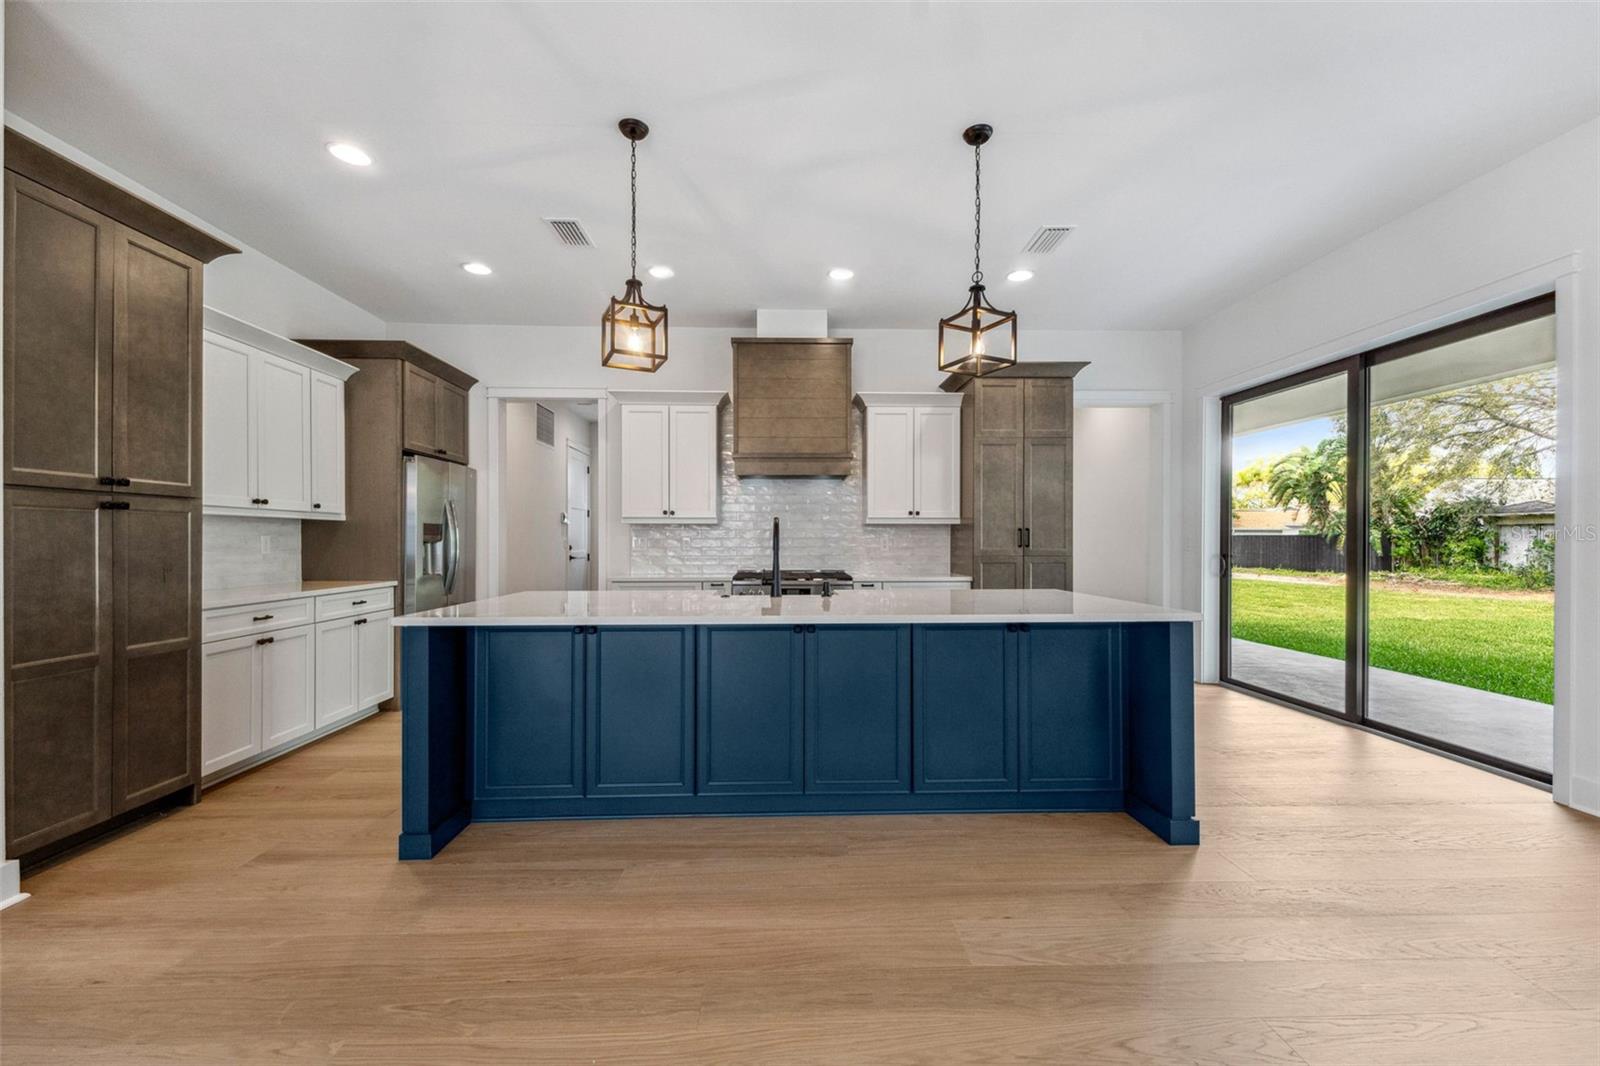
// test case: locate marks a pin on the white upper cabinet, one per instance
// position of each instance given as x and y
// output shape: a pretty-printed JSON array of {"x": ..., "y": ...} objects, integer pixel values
[
  {"x": 274, "y": 424},
  {"x": 671, "y": 450},
  {"x": 229, "y": 472},
  {"x": 913, "y": 460},
  {"x": 280, "y": 392},
  {"x": 327, "y": 444}
]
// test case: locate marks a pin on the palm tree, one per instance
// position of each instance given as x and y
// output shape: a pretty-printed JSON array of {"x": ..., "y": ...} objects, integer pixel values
[{"x": 1313, "y": 478}]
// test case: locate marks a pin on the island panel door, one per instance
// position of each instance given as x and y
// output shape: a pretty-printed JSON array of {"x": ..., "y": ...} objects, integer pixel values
[
  {"x": 750, "y": 737},
  {"x": 1070, "y": 707},
  {"x": 530, "y": 713},
  {"x": 965, "y": 709},
  {"x": 640, "y": 711},
  {"x": 858, "y": 709}
]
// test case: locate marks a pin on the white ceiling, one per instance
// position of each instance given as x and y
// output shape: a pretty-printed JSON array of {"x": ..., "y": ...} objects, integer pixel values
[{"x": 1202, "y": 149}]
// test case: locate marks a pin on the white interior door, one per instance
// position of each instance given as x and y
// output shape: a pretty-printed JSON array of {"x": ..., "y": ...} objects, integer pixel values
[
  {"x": 288, "y": 686},
  {"x": 327, "y": 444},
  {"x": 644, "y": 461},
  {"x": 692, "y": 478},
  {"x": 578, "y": 517},
  {"x": 891, "y": 442},
  {"x": 281, "y": 430},
  {"x": 938, "y": 463},
  {"x": 227, "y": 426}
]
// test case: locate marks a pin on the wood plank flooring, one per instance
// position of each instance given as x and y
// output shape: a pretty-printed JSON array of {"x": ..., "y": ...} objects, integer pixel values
[{"x": 1354, "y": 902}]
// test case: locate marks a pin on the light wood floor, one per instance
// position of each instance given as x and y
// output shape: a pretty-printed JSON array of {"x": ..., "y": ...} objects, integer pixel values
[{"x": 1354, "y": 902}]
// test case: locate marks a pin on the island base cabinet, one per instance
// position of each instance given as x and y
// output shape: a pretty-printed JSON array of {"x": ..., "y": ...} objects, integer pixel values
[
  {"x": 640, "y": 711},
  {"x": 858, "y": 709},
  {"x": 750, "y": 702},
  {"x": 507, "y": 723}
]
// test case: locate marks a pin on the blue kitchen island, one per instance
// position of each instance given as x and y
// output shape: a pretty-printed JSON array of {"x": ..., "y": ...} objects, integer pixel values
[{"x": 546, "y": 705}]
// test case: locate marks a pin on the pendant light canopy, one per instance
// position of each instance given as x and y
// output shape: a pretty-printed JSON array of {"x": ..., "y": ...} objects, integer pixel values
[
  {"x": 980, "y": 338},
  {"x": 633, "y": 333}
]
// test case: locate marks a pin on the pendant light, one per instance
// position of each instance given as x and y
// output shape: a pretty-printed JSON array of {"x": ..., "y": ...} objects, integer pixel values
[
  {"x": 976, "y": 340},
  {"x": 633, "y": 333}
]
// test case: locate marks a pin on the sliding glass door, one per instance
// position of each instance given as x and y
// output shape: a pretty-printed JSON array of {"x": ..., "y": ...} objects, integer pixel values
[{"x": 1422, "y": 601}]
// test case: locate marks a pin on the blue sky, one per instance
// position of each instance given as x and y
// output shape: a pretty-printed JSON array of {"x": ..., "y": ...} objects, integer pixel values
[{"x": 1280, "y": 440}]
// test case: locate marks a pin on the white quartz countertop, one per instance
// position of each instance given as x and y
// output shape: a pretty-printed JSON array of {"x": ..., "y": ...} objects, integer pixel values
[
  {"x": 904, "y": 606},
  {"x": 288, "y": 590}
]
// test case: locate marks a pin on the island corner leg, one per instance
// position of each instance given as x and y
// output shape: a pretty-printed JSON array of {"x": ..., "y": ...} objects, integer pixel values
[
  {"x": 1158, "y": 662},
  {"x": 436, "y": 738}
]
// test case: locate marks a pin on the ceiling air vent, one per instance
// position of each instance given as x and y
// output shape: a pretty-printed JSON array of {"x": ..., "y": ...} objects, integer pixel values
[
  {"x": 570, "y": 230},
  {"x": 1045, "y": 239},
  {"x": 545, "y": 425}
]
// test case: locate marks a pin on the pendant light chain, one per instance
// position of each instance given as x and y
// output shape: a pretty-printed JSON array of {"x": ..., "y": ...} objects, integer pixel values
[
  {"x": 977, "y": 214},
  {"x": 633, "y": 219}
]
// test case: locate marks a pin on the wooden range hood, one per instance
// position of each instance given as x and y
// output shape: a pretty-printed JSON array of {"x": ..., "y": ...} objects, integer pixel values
[{"x": 791, "y": 407}]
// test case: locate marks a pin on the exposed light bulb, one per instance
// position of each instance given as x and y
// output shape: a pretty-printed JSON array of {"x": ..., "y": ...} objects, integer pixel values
[{"x": 977, "y": 350}]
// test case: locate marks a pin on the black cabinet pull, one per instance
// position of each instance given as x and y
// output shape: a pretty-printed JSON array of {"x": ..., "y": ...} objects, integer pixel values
[
  {"x": 266, "y": 501},
  {"x": 316, "y": 507},
  {"x": 357, "y": 603},
  {"x": 362, "y": 621},
  {"x": 672, "y": 512},
  {"x": 262, "y": 618},
  {"x": 1027, "y": 536},
  {"x": 124, "y": 481},
  {"x": 799, "y": 629},
  {"x": 811, "y": 629},
  {"x": 107, "y": 480},
  {"x": 1019, "y": 536},
  {"x": 266, "y": 640},
  {"x": 115, "y": 505},
  {"x": 440, "y": 451}
]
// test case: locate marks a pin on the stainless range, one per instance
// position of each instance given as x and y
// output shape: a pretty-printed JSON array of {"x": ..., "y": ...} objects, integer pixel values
[{"x": 792, "y": 582}]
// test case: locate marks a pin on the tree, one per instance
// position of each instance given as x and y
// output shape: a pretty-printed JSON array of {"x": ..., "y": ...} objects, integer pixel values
[{"x": 1313, "y": 478}]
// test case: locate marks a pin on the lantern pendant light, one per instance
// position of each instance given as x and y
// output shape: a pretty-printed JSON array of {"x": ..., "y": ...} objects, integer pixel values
[
  {"x": 980, "y": 338},
  {"x": 633, "y": 333}
]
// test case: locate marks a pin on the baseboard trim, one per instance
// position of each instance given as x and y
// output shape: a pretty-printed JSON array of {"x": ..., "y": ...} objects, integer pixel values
[
  {"x": 1583, "y": 794},
  {"x": 11, "y": 884}
]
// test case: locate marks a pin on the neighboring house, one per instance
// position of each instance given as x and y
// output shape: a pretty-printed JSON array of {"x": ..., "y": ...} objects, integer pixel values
[
  {"x": 1269, "y": 521},
  {"x": 1517, "y": 526}
]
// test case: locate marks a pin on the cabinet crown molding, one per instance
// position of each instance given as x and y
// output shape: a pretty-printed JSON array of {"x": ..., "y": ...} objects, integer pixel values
[
  {"x": 225, "y": 325},
  {"x": 668, "y": 396},
  {"x": 907, "y": 399}
]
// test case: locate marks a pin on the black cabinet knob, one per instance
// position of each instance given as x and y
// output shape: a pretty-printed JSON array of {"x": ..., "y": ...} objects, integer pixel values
[
  {"x": 316, "y": 507},
  {"x": 124, "y": 481},
  {"x": 441, "y": 451},
  {"x": 266, "y": 640}
]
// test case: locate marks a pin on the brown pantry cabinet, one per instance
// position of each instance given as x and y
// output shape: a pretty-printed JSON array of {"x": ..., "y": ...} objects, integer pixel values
[
  {"x": 1016, "y": 477},
  {"x": 103, "y": 304}
]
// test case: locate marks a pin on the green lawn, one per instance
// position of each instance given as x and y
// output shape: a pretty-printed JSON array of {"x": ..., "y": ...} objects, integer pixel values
[{"x": 1494, "y": 643}]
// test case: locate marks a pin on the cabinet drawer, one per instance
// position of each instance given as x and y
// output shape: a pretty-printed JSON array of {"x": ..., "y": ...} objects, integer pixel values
[
  {"x": 346, "y": 604},
  {"x": 223, "y": 622}
]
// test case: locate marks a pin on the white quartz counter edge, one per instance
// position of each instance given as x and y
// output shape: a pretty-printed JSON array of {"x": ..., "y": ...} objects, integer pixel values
[
  {"x": 211, "y": 599},
  {"x": 906, "y": 606}
]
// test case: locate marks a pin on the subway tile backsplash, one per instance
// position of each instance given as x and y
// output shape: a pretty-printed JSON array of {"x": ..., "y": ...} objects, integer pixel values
[
  {"x": 239, "y": 552},
  {"x": 822, "y": 527}
]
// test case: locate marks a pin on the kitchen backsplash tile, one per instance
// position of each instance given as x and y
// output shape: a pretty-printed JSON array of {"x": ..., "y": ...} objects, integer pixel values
[
  {"x": 822, "y": 527},
  {"x": 237, "y": 552}
]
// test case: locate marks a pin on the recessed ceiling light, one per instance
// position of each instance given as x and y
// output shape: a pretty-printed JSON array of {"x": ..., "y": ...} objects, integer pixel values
[
  {"x": 477, "y": 268},
  {"x": 349, "y": 153},
  {"x": 841, "y": 273},
  {"x": 661, "y": 271},
  {"x": 1020, "y": 275}
]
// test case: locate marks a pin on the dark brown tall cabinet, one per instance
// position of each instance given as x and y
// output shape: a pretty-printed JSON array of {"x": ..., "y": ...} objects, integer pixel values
[
  {"x": 1016, "y": 477},
  {"x": 102, "y": 503}
]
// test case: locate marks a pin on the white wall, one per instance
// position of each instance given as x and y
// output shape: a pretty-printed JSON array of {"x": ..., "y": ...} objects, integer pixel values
[
  {"x": 556, "y": 357},
  {"x": 1114, "y": 453},
  {"x": 1530, "y": 226},
  {"x": 535, "y": 495}
]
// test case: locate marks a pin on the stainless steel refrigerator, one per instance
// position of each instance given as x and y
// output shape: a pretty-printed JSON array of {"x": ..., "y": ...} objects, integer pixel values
[{"x": 440, "y": 505}]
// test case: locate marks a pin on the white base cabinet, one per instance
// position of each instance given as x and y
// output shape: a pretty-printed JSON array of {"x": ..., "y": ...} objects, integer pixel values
[{"x": 269, "y": 685}]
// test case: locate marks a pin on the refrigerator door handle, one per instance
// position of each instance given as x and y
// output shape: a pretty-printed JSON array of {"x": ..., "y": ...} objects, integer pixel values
[{"x": 452, "y": 547}]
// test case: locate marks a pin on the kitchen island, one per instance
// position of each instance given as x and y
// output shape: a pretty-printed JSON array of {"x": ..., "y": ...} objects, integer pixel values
[{"x": 548, "y": 705}]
